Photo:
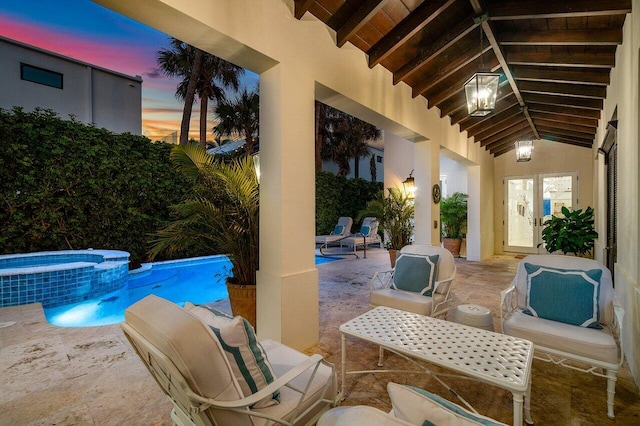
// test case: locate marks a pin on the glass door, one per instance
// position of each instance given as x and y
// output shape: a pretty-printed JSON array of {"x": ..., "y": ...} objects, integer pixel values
[
  {"x": 519, "y": 215},
  {"x": 530, "y": 201}
]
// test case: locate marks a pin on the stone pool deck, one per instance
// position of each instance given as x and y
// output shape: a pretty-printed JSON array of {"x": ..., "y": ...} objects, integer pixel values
[{"x": 90, "y": 376}]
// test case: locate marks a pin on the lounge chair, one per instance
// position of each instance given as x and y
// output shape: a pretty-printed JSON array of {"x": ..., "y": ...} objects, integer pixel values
[
  {"x": 410, "y": 285},
  {"x": 367, "y": 235},
  {"x": 340, "y": 231},
  {"x": 185, "y": 356},
  {"x": 565, "y": 306}
]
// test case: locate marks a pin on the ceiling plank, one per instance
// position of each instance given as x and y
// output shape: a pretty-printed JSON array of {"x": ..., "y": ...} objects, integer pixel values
[
  {"x": 479, "y": 124},
  {"x": 554, "y": 75},
  {"x": 509, "y": 140},
  {"x": 594, "y": 104},
  {"x": 463, "y": 27},
  {"x": 591, "y": 37},
  {"x": 581, "y": 121},
  {"x": 566, "y": 126},
  {"x": 573, "y": 90},
  {"x": 502, "y": 103},
  {"x": 402, "y": 32},
  {"x": 357, "y": 20},
  {"x": 554, "y": 59},
  {"x": 563, "y": 110},
  {"x": 514, "y": 130},
  {"x": 509, "y": 122},
  {"x": 553, "y": 138},
  {"x": 535, "y": 9},
  {"x": 442, "y": 74},
  {"x": 567, "y": 133},
  {"x": 302, "y": 7}
]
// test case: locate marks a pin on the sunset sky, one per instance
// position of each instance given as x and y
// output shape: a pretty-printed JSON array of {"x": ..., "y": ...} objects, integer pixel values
[{"x": 83, "y": 30}]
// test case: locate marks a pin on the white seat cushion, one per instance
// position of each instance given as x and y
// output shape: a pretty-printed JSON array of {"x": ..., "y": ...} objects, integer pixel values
[
  {"x": 404, "y": 300},
  {"x": 359, "y": 415},
  {"x": 573, "y": 339},
  {"x": 283, "y": 359}
]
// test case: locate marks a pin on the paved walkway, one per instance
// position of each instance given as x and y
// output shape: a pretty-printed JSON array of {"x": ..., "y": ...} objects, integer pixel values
[{"x": 90, "y": 376}]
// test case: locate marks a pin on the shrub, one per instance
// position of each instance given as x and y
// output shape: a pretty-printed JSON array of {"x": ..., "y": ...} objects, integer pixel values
[{"x": 68, "y": 185}]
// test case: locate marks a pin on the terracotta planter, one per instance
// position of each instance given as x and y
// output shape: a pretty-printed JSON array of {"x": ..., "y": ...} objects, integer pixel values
[
  {"x": 453, "y": 245},
  {"x": 393, "y": 254},
  {"x": 243, "y": 301}
]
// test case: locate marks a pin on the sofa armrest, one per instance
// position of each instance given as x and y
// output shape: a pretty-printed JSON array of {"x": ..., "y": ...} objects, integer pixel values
[
  {"x": 617, "y": 327},
  {"x": 507, "y": 303}
]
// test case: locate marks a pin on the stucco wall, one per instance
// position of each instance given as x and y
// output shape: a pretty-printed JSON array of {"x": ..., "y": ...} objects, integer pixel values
[
  {"x": 547, "y": 157},
  {"x": 623, "y": 94}
]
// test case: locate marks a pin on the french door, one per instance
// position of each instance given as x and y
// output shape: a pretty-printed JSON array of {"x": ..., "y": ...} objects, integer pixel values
[{"x": 529, "y": 201}]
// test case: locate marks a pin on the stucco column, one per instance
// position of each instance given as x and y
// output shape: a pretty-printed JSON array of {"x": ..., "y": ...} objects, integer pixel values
[
  {"x": 287, "y": 289},
  {"x": 427, "y": 173}
]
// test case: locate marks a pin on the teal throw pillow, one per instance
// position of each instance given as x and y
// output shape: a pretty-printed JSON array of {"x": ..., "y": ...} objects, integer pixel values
[
  {"x": 416, "y": 273},
  {"x": 338, "y": 230},
  {"x": 564, "y": 295},
  {"x": 364, "y": 230}
]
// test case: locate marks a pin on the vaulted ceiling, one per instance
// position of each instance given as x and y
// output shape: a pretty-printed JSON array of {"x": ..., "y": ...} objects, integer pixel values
[{"x": 554, "y": 58}]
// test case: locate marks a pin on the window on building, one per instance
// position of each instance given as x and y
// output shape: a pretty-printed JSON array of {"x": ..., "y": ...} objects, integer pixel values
[
  {"x": 378, "y": 158},
  {"x": 40, "y": 76}
]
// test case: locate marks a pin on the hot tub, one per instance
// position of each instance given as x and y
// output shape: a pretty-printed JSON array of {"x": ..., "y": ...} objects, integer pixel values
[{"x": 56, "y": 278}]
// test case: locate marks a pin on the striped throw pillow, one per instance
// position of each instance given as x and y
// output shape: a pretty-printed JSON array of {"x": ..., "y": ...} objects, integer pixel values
[{"x": 245, "y": 354}]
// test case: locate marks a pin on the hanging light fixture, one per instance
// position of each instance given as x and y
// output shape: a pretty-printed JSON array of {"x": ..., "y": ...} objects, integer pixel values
[
  {"x": 409, "y": 186},
  {"x": 524, "y": 148},
  {"x": 481, "y": 90}
]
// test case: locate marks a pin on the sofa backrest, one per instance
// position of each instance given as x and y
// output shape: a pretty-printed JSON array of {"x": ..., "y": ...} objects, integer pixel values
[
  {"x": 568, "y": 262},
  {"x": 446, "y": 261}
]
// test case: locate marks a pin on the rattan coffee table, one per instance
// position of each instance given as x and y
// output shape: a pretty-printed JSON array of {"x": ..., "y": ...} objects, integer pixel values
[{"x": 481, "y": 355}]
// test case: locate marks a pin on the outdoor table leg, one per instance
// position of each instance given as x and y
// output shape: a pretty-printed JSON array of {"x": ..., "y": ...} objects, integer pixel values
[
  {"x": 343, "y": 374},
  {"x": 527, "y": 405},
  {"x": 517, "y": 408}
]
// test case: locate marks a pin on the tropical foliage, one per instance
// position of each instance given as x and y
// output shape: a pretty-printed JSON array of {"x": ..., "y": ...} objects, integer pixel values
[
  {"x": 220, "y": 215},
  {"x": 67, "y": 185},
  {"x": 202, "y": 74},
  {"x": 395, "y": 217},
  {"x": 240, "y": 117},
  {"x": 573, "y": 233},
  {"x": 341, "y": 137},
  {"x": 453, "y": 215}
]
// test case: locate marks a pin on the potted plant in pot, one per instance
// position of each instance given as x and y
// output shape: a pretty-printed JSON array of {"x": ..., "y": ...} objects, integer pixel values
[
  {"x": 573, "y": 233},
  {"x": 220, "y": 216},
  {"x": 453, "y": 219},
  {"x": 395, "y": 219}
]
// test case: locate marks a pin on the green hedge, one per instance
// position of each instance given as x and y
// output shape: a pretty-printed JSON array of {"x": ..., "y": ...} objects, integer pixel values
[
  {"x": 67, "y": 185},
  {"x": 338, "y": 196}
]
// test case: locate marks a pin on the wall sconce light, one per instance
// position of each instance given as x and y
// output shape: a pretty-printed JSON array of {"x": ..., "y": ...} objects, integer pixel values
[
  {"x": 409, "y": 185},
  {"x": 256, "y": 164},
  {"x": 524, "y": 148}
]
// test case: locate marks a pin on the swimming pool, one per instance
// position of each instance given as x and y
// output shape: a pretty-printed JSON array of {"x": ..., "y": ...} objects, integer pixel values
[{"x": 197, "y": 280}]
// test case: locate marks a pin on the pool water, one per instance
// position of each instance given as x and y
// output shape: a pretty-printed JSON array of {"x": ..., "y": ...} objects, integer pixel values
[{"x": 197, "y": 280}]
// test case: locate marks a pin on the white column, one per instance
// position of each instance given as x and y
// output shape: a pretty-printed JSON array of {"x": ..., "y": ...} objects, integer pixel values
[
  {"x": 287, "y": 288},
  {"x": 427, "y": 173}
]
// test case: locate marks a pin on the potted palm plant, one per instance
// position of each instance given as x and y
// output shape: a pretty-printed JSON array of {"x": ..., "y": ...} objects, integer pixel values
[
  {"x": 573, "y": 233},
  {"x": 395, "y": 219},
  {"x": 453, "y": 218},
  {"x": 220, "y": 216}
]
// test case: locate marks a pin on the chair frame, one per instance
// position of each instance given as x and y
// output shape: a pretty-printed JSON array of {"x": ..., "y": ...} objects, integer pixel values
[
  {"x": 189, "y": 410},
  {"x": 609, "y": 371}
]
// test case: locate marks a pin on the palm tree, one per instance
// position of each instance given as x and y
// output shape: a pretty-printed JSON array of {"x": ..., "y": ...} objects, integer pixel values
[
  {"x": 202, "y": 74},
  {"x": 349, "y": 140},
  {"x": 217, "y": 75},
  {"x": 182, "y": 60},
  {"x": 240, "y": 116}
]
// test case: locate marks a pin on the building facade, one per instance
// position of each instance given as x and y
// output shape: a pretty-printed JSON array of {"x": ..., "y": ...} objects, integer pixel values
[{"x": 33, "y": 77}]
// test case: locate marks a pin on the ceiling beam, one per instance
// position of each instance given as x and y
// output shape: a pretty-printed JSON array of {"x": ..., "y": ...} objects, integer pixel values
[
  {"x": 556, "y": 59},
  {"x": 518, "y": 129},
  {"x": 358, "y": 20},
  {"x": 509, "y": 140},
  {"x": 502, "y": 103},
  {"x": 591, "y": 37},
  {"x": 536, "y": 9},
  {"x": 555, "y": 75},
  {"x": 407, "y": 28},
  {"x": 567, "y": 133},
  {"x": 497, "y": 127},
  {"x": 572, "y": 90},
  {"x": 301, "y": 7},
  {"x": 463, "y": 27},
  {"x": 570, "y": 141},
  {"x": 479, "y": 124}
]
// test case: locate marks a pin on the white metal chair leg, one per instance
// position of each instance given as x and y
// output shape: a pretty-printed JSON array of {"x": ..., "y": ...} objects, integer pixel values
[
  {"x": 380, "y": 356},
  {"x": 611, "y": 391}
]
